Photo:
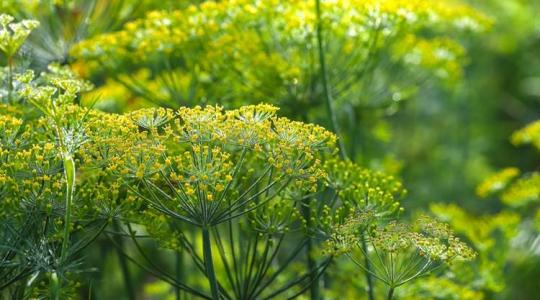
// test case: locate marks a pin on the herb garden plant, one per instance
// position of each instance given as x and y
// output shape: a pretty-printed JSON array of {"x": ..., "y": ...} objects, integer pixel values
[{"x": 225, "y": 150}]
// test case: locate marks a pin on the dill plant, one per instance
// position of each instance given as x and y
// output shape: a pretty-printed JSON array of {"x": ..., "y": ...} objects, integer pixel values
[
  {"x": 224, "y": 170},
  {"x": 48, "y": 213},
  {"x": 255, "y": 191},
  {"x": 389, "y": 47}
]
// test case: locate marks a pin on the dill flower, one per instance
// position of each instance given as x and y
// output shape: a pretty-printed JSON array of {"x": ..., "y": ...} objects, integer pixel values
[
  {"x": 364, "y": 189},
  {"x": 212, "y": 163},
  {"x": 29, "y": 167},
  {"x": 409, "y": 250},
  {"x": 345, "y": 236},
  {"x": 278, "y": 217}
]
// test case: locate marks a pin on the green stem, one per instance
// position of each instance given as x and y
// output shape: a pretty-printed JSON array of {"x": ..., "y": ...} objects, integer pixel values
[
  {"x": 390, "y": 294},
  {"x": 311, "y": 263},
  {"x": 69, "y": 173},
  {"x": 326, "y": 86},
  {"x": 123, "y": 263},
  {"x": 179, "y": 277},
  {"x": 54, "y": 285},
  {"x": 10, "y": 78},
  {"x": 209, "y": 264},
  {"x": 369, "y": 278}
]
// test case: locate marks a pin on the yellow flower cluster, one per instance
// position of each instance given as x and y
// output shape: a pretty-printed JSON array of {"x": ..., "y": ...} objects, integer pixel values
[
  {"x": 409, "y": 250},
  {"x": 167, "y": 31},
  {"x": 426, "y": 243},
  {"x": 256, "y": 45},
  {"x": 346, "y": 236},
  {"x": 194, "y": 159},
  {"x": 10, "y": 127},
  {"x": 289, "y": 146},
  {"x": 56, "y": 87},
  {"x": 438, "y": 242},
  {"x": 363, "y": 188},
  {"x": 426, "y": 237},
  {"x": 30, "y": 167},
  {"x": 278, "y": 217}
]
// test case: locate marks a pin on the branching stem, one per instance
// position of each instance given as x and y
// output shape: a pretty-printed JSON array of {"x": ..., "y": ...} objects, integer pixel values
[
  {"x": 390, "y": 294},
  {"x": 209, "y": 264},
  {"x": 69, "y": 173},
  {"x": 124, "y": 264}
]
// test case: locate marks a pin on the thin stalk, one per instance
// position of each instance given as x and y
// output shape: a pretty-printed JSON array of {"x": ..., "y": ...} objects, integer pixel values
[
  {"x": 69, "y": 173},
  {"x": 179, "y": 273},
  {"x": 364, "y": 268},
  {"x": 311, "y": 263},
  {"x": 283, "y": 265},
  {"x": 321, "y": 272},
  {"x": 123, "y": 264},
  {"x": 367, "y": 263},
  {"x": 390, "y": 294},
  {"x": 161, "y": 275},
  {"x": 228, "y": 271},
  {"x": 55, "y": 286},
  {"x": 10, "y": 77},
  {"x": 209, "y": 264},
  {"x": 326, "y": 86}
]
